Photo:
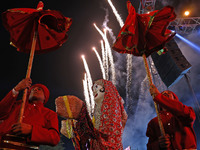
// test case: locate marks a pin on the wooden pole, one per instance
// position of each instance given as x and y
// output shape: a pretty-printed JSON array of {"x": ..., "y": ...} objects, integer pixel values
[
  {"x": 28, "y": 74},
  {"x": 156, "y": 107}
]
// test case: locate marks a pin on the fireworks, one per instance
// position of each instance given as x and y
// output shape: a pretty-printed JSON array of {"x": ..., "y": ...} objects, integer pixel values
[
  {"x": 119, "y": 19},
  {"x": 108, "y": 53},
  {"x": 100, "y": 62},
  {"x": 89, "y": 80}
]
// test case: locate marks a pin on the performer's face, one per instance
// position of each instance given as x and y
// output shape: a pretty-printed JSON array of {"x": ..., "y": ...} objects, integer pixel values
[
  {"x": 98, "y": 92},
  {"x": 168, "y": 94},
  {"x": 37, "y": 94}
]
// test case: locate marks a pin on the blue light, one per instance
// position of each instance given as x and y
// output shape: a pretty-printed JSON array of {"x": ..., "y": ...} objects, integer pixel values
[{"x": 188, "y": 42}]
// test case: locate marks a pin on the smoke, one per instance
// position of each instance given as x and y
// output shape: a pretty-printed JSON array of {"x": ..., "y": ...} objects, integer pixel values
[
  {"x": 105, "y": 25},
  {"x": 166, "y": 2},
  {"x": 137, "y": 123}
]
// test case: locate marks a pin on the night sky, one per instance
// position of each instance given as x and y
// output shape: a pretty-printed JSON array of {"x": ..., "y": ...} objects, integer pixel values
[{"x": 62, "y": 70}]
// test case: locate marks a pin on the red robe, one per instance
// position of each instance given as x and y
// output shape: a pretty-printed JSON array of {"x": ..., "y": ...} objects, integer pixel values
[
  {"x": 44, "y": 121},
  {"x": 178, "y": 123}
]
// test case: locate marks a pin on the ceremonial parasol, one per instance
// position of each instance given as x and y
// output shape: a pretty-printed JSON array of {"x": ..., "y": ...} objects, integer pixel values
[
  {"x": 143, "y": 34},
  {"x": 35, "y": 31}
]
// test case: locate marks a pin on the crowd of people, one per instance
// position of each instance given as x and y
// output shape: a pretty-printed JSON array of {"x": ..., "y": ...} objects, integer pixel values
[{"x": 103, "y": 130}]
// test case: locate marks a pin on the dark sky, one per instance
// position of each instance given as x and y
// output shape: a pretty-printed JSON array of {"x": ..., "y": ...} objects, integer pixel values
[{"x": 62, "y": 70}]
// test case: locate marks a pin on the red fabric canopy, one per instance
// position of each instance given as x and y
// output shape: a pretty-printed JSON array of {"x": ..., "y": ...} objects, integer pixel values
[
  {"x": 144, "y": 33},
  {"x": 50, "y": 25}
]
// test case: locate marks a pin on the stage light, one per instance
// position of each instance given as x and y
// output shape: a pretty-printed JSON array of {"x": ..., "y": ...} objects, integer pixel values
[
  {"x": 196, "y": 47},
  {"x": 187, "y": 13}
]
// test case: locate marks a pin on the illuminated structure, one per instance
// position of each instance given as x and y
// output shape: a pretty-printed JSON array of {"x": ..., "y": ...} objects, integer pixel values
[
  {"x": 182, "y": 25},
  {"x": 185, "y": 25}
]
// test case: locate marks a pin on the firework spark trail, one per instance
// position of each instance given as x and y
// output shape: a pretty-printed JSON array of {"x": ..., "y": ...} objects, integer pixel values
[
  {"x": 105, "y": 59},
  {"x": 142, "y": 89},
  {"x": 119, "y": 19},
  {"x": 108, "y": 49},
  {"x": 129, "y": 56},
  {"x": 100, "y": 62},
  {"x": 111, "y": 60},
  {"x": 89, "y": 79},
  {"x": 105, "y": 22},
  {"x": 129, "y": 76},
  {"x": 86, "y": 93},
  {"x": 105, "y": 56},
  {"x": 100, "y": 32}
]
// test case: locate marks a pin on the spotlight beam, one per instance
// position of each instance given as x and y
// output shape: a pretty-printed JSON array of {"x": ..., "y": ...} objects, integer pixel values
[{"x": 196, "y": 47}]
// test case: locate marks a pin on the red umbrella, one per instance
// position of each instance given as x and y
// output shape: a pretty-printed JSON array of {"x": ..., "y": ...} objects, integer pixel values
[
  {"x": 143, "y": 34},
  {"x": 50, "y": 25},
  {"x": 35, "y": 31}
]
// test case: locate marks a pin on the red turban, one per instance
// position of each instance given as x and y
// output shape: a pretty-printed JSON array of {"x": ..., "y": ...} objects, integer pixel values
[{"x": 45, "y": 90}]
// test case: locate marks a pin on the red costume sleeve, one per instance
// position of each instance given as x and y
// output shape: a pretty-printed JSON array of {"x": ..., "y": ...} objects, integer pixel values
[
  {"x": 183, "y": 112},
  {"x": 46, "y": 135},
  {"x": 6, "y": 104}
]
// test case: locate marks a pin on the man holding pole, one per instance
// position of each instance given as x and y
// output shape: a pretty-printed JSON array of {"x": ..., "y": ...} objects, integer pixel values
[
  {"x": 177, "y": 121},
  {"x": 39, "y": 125}
]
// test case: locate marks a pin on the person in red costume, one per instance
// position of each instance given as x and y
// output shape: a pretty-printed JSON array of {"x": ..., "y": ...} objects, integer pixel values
[
  {"x": 177, "y": 119},
  {"x": 102, "y": 131},
  {"x": 39, "y": 125}
]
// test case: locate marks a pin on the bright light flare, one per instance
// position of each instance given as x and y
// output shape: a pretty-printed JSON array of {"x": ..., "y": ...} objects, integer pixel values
[{"x": 187, "y": 13}]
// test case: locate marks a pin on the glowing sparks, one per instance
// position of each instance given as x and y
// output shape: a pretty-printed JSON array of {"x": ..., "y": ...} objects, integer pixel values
[
  {"x": 105, "y": 59},
  {"x": 129, "y": 57},
  {"x": 100, "y": 62},
  {"x": 119, "y": 19},
  {"x": 129, "y": 67},
  {"x": 89, "y": 79},
  {"x": 100, "y": 32},
  {"x": 111, "y": 60},
  {"x": 108, "y": 50},
  {"x": 86, "y": 93}
]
